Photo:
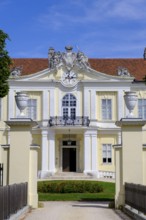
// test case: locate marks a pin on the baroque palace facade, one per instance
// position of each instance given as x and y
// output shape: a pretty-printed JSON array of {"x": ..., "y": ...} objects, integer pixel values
[{"x": 75, "y": 102}]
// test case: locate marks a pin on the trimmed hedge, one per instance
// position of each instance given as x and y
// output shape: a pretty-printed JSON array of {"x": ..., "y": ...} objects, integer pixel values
[{"x": 69, "y": 186}]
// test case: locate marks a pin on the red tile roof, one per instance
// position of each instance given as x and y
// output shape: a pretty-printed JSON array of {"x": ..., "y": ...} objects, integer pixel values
[{"x": 136, "y": 66}]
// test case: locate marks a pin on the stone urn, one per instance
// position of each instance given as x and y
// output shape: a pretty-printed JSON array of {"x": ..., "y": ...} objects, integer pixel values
[
  {"x": 21, "y": 99},
  {"x": 130, "y": 101}
]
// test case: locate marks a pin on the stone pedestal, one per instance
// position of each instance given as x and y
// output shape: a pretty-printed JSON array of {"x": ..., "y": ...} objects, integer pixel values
[
  {"x": 22, "y": 158},
  {"x": 128, "y": 155}
]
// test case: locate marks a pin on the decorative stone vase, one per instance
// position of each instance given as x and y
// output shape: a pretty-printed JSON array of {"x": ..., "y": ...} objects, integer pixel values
[
  {"x": 130, "y": 101},
  {"x": 21, "y": 99}
]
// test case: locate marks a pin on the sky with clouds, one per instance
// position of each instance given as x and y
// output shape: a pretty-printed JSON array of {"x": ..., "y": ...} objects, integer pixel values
[{"x": 99, "y": 28}]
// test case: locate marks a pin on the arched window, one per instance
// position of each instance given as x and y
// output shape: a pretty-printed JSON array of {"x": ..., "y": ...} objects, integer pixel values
[{"x": 69, "y": 106}]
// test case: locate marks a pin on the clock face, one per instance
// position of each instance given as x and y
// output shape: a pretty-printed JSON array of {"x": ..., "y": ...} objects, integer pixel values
[{"x": 69, "y": 78}]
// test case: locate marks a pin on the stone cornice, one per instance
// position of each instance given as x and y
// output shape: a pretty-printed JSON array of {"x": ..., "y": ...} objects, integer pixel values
[
  {"x": 130, "y": 122},
  {"x": 21, "y": 122}
]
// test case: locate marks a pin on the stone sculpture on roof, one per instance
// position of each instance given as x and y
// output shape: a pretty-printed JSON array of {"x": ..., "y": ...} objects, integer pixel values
[
  {"x": 122, "y": 71},
  {"x": 67, "y": 58},
  {"x": 16, "y": 71}
]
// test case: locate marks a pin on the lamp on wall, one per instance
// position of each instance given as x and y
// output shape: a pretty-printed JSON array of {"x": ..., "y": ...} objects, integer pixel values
[{"x": 69, "y": 140}]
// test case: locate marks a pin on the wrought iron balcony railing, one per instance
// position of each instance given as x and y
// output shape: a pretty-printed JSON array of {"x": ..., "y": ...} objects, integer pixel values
[{"x": 65, "y": 121}]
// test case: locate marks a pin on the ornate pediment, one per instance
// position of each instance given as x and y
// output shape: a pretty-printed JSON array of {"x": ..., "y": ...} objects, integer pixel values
[{"x": 69, "y": 59}]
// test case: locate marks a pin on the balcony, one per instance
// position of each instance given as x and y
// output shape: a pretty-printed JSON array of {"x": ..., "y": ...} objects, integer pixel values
[{"x": 69, "y": 121}]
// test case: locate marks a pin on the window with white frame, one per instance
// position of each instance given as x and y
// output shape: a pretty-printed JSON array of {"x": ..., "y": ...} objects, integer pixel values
[
  {"x": 142, "y": 108},
  {"x": 69, "y": 106},
  {"x": 106, "y": 109},
  {"x": 106, "y": 153},
  {"x": 32, "y": 109}
]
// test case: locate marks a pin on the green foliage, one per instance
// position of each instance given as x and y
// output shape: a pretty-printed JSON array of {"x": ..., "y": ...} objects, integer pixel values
[
  {"x": 69, "y": 186},
  {"x": 5, "y": 62},
  {"x": 107, "y": 194}
]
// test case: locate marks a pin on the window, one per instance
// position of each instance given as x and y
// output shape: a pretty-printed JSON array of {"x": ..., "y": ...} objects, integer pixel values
[
  {"x": 69, "y": 106},
  {"x": 32, "y": 109},
  {"x": 142, "y": 108},
  {"x": 69, "y": 142},
  {"x": 0, "y": 108},
  {"x": 107, "y": 153},
  {"x": 106, "y": 109}
]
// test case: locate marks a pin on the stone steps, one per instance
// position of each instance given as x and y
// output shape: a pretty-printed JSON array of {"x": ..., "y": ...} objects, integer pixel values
[{"x": 70, "y": 176}]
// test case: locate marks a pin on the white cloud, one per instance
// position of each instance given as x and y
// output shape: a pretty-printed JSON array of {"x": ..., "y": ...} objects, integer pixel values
[
  {"x": 77, "y": 13},
  {"x": 128, "y": 9}
]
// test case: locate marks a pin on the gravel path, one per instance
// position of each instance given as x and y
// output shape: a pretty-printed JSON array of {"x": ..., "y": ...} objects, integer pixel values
[{"x": 74, "y": 210}]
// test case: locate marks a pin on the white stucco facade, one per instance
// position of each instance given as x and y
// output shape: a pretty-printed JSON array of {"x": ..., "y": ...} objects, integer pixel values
[{"x": 76, "y": 127}]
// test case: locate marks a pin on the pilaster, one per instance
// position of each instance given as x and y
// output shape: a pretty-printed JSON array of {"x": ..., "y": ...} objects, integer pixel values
[
  {"x": 45, "y": 104},
  {"x": 52, "y": 102},
  {"x": 120, "y": 104},
  {"x": 90, "y": 153},
  {"x": 11, "y": 104},
  {"x": 86, "y": 99},
  {"x": 93, "y": 104}
]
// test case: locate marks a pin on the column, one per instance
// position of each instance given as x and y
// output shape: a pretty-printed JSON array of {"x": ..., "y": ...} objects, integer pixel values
[
  {"x": 44, "y": 170},
  {"x": 90, "y": 153},
  {"x": 51, "y": 152},
  {"x": 87, "y": 153},
  {"x": 94, "y": 156}
]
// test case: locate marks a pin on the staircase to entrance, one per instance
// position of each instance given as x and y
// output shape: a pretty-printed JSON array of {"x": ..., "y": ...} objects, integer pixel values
[{"x": 70, "y": 176}]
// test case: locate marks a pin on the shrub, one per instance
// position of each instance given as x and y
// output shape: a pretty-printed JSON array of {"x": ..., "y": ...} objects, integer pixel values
[{"x": 69, "y": 186}]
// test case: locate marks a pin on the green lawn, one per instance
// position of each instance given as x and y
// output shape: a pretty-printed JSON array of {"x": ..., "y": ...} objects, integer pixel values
[{"x": 107, "y": 195}]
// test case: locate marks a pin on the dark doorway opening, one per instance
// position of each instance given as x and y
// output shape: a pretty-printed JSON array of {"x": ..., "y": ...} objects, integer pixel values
[{"x": 69, "y": 159}]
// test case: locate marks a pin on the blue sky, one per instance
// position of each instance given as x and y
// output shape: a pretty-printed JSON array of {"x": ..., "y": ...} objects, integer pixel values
[{"x": 99, "y": 28}]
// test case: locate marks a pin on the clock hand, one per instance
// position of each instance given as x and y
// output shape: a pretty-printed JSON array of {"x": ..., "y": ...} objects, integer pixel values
[{"x": 73, "y": 77}]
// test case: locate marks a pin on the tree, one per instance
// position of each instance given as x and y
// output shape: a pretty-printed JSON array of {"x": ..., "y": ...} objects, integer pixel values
[{"x": 5, "y": 62}]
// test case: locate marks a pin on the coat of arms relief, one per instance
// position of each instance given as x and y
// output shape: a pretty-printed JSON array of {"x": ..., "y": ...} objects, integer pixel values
[{"x": 68, "y": 58}]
